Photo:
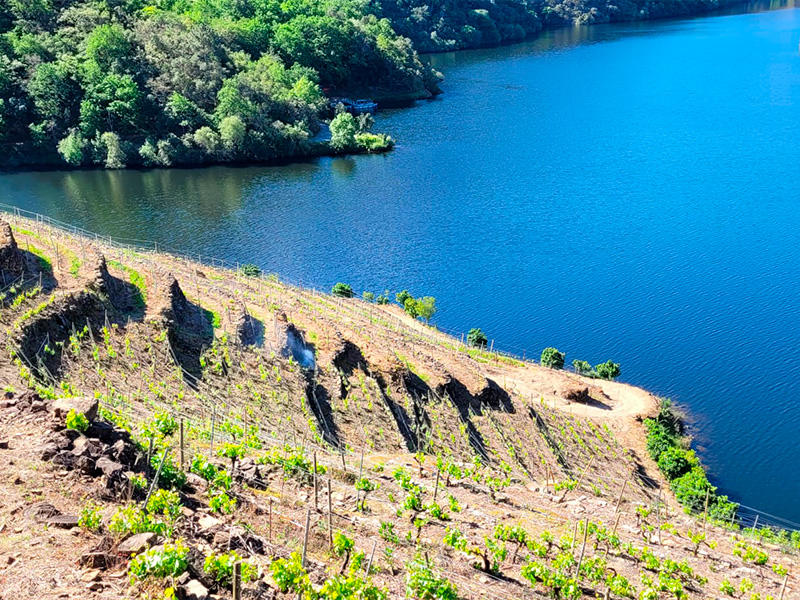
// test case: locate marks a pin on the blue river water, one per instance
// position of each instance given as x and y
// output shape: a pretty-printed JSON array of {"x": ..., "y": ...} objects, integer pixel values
[{"x": 619, "y": 191}]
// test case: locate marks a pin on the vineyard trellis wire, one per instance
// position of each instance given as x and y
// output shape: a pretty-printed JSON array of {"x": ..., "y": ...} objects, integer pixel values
[{"x": 746, "y": 515}]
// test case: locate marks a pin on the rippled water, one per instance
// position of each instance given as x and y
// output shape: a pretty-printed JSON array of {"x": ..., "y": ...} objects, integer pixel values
[{"x": 627, "y": 192}]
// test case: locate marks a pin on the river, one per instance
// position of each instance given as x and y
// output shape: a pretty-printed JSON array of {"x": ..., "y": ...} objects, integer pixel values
[{"x": 618, "y": 191}]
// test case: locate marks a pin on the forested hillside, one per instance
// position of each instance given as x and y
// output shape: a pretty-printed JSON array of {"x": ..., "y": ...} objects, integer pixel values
[
  {"x": 168, "y": 82},
  {"x": 119, "y": 82}
]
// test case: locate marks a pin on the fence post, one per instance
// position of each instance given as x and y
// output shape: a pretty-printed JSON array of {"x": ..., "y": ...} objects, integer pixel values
[
  {"x": 316, "y": 484},
  {"x": 237, "y": 580},
  {"x": 305, "y": 536},
  {"x": 330, "y": 515},
  {"x": 182, "y": 463},
  {"x": 622, "y": 491}
]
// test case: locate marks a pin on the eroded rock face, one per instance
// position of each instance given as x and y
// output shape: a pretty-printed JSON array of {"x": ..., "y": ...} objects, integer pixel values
[
  {"x": 12, "y": 262},
  {"x": 245, "y": 327},
  {"x": 87, "y": 406}
]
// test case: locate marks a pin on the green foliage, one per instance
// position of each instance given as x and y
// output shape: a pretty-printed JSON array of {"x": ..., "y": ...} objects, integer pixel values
[
  {"x": 582, "y": 367},
  {"x": 423, "y": 584},
  {"x": 90, "y": 518},
  {"x": 476, "y": 338},
  {"x": 77, "y": 421},
  {"x": 726, "y": 587},
  {"x": 343, "y": 132},
  {"x": 220, "y": 568},
  {"x": 171, "y": 476},
  {"x": 289, "y": 574},
  {"x": 607, "y": 370},
  {"x": 342, "y": 545},
  {"x": 342, "y": 290},
  {"x": 165, "y": 504},
  {"x": 674, "y": 462},
  {"x": 169, "y": 560},
  {"x": 222, "y": 503},
  {"x": 552, "y": 358},
  {"x": 250, "y": 270}
]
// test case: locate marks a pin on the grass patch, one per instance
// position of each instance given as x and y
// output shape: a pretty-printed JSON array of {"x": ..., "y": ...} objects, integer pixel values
[{"x": 136, "y": 279}]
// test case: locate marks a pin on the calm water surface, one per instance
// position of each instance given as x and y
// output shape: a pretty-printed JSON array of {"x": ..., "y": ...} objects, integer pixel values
[{"x": 628, "y": 192}]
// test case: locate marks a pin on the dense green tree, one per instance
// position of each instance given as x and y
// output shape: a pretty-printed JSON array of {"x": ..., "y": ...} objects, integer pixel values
[
  {"x": 476, "y": 338},
  {"x": 342, "y": 290},
  {"x": 114, "y": 103},
  {"x": 426, "y": 307},
  {"x": 607, "y": 370},
  {"x": 343, "y": 135},
  {"x": 552, "y": 358}
]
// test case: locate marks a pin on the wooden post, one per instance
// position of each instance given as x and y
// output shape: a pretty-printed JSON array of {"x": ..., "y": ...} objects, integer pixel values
[
  {"x": 305, "y": 536},
  {"x": 705, "y": 511},
  {"x": 575, "y": 533},
  {"x": 613, "y": 532},
  {"x": 783, "y": 587},
  {"x": 580, "y": 479},
  {"x": 344, "y": 465},
  {"x": 371, "y": 556},
  {"x": 316, "y": 485},
  {"x": 182, "y": 462},
  {"x": 213, "y": 422},
  {"x": 658, "y": 516},
  {"x": 436, "y": 485},
  {"x": 755, "y": 524},
  {"x": 237, "y": 580},
  {"x": 149, "y": 469},
  {"x": 270, "y": 520},
  {"x": 330, "y": 515},
  {"x": 583, "y": 547},
  {"x": 619, "y": 500},
  {"x": 155, "y": 479}
]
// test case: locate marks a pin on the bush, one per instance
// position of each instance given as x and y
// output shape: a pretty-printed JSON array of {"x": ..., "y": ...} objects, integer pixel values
[
  {"x": 674, "y": 462},
  {"x": 90, "y": 519},
  {"x": 368, "y": 296},
  {"x": 607, "y": 370},
  {"x": 402, "y": 297},
  {"x": 289, "y": 574},
  {"x": 422, "y": 583},
  {"x": 250, "y": 270},
  {"x": 77, "y": 421},
  {"x": 583, "y": 367},
  {"x": 222, "y": 503},
  {"x": 170, "y": 560},
  {"x": 476, "y": 338},
  {"x": 342, "y": 290},
  {"x": 659, "y": 438},
  {"x": 166, "y": 504},
  {"x": 220, "y": 568},
  {"x": 690, "y": 489},
  {"x": 552, "y": 358}
]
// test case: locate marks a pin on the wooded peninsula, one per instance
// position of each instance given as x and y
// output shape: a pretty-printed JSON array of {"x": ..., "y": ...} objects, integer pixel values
[{"x": 117, "y": 83}]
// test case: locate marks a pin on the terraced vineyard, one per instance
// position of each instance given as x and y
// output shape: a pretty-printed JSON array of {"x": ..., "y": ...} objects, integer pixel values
[{"x": 339, "y": 448}]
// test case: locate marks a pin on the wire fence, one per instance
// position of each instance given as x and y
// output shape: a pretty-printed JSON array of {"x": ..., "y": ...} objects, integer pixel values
[{"x": 747, "y": 518}]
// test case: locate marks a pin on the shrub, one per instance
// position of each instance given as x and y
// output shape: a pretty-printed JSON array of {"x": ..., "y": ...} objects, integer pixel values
[
  {"x": 250, "y": 270},
  {"x": 476, "y": 338},
  {"x": 659, "y": 438},
  {"x": 342, "y": 290},
  {"x": 202, "y": 467},
  {"x": 368, "y": 296},
  {"x": 583, "y": 367},
  {"x": 77, "y": 421},
  {"x": 170, "y": 560},
  {"x": 222, "y": 503},
  {"x": 607, "y": 370},
  {"x": 289, "y": 574},
  {"x": 674, "y": 462},
  {"x": 90, "y": 518},
  {"x": 552, "y": 358},
  {"x": 220, "y": 568},
  {"x": 690, "y": 489},
  {"x": 166, "y": 504},
  {"x": 401, "y": 297},
  {"x": 171, "y": 477},
  {"x": 423, "y": 584}
]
